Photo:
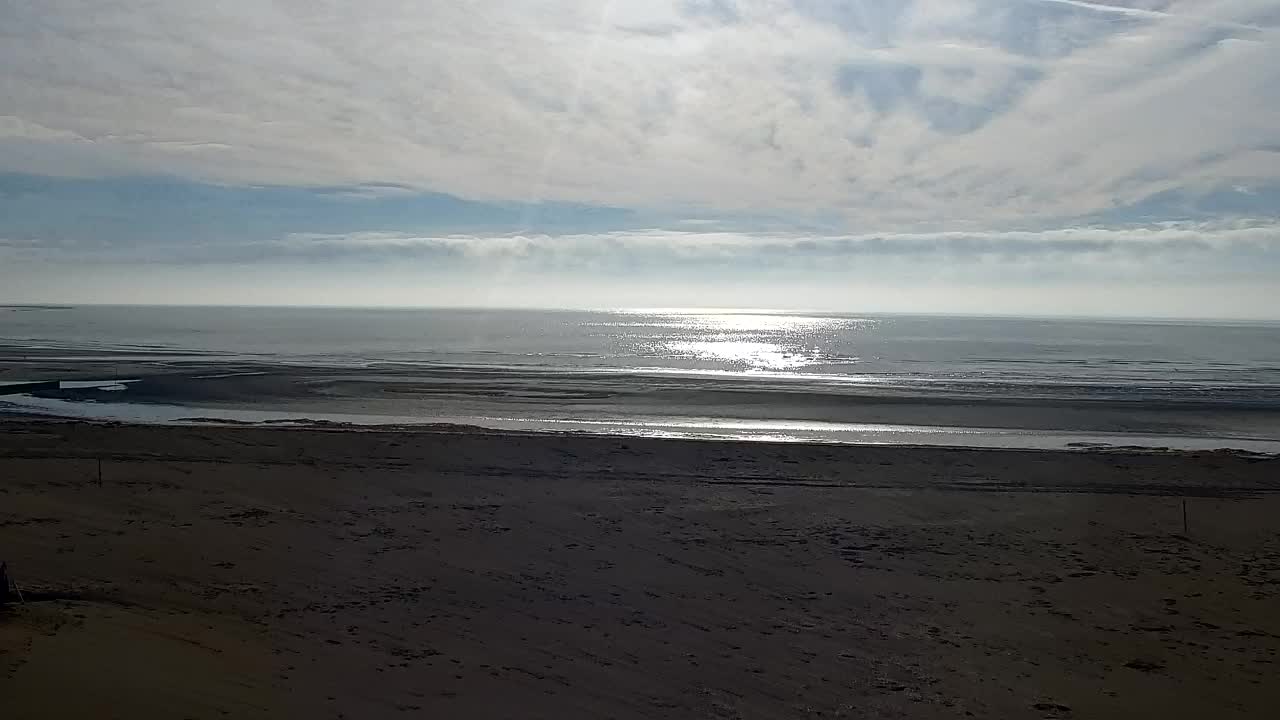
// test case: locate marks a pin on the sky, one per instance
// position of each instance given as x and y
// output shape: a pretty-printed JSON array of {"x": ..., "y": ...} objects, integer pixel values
[{"x": 1107, "y": 157}]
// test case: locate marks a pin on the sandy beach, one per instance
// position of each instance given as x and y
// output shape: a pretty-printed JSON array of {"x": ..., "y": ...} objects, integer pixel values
[{"x": 251, "y": 572}]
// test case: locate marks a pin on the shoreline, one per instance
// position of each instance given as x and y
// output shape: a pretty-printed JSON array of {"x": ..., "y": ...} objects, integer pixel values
[
  {"x": 611, "y": 425},
  {"x": 833, "y": 455},
  {"x": 148, "y": 385}
]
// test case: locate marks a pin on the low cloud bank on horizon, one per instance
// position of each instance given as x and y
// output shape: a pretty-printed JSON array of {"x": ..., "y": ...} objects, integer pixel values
[{"x": 796, "y": 146}]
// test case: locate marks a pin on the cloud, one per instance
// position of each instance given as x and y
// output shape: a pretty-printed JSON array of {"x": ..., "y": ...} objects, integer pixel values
[
  {"x": 1163, "y": 252},
  {"x": 903, "y": 115},
  {"x": 1154, "y": 10},
  {"x": 1169, "y": 269},
  {"x": 1173, "y": 242},
  {"x": 15, "y": 128}
]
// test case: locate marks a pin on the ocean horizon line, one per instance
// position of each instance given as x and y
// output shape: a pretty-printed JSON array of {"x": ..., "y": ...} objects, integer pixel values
[{"x": 681, "y": 310}]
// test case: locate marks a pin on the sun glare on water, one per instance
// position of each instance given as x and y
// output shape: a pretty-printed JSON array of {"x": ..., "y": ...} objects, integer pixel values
[{"x": 742, "y": 339}]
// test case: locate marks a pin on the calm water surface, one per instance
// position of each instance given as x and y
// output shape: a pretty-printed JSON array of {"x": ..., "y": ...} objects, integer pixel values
[
  {"x": 1105, "y": 363},
  {"x": 986, "y": 355}
]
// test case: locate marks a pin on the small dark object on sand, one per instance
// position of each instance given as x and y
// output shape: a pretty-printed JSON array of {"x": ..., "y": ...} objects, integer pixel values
[
  {"x": 1145, "y": 665},
  {"x": 4, "y": 583}
]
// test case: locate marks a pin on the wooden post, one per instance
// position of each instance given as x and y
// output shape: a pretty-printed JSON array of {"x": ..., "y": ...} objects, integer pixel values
[
  {"x": 1185, "y": 532},
  {"x": 99, "y": 472},
  {"x": 4, "y": 583}
]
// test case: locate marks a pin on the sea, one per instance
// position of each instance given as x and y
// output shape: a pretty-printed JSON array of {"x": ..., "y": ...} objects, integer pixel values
[{"x": 835, "y": 377}]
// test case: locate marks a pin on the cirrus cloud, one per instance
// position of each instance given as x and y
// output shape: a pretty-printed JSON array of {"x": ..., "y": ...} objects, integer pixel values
[{"x": 897, "y": 115}]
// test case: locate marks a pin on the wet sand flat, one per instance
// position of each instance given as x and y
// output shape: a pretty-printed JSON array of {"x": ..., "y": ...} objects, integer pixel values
[{"x": 251, "y": 572}]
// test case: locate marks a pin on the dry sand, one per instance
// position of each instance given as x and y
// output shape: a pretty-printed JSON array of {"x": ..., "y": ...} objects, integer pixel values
[{"x": 249, "y": 572}]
